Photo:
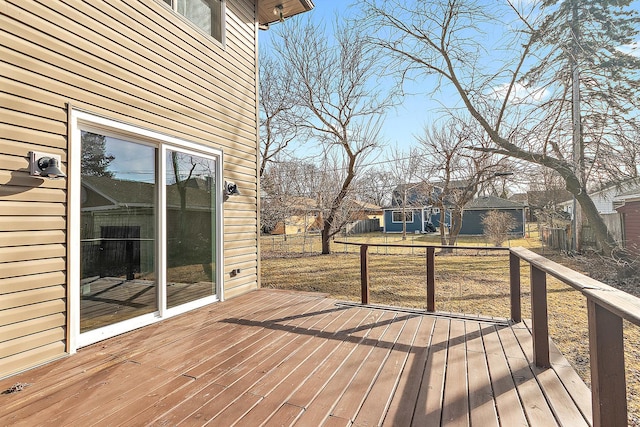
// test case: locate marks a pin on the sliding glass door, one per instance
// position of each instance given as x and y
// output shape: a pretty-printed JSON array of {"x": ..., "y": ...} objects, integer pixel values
[
  {"x": 149, "y": 222},
  {"x": 190, "y": 214},
  {"x": 118, "y": 230}
]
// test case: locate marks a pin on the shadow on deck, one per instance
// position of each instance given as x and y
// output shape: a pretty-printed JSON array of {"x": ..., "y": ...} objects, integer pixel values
[{"x": 282, "y": 358}]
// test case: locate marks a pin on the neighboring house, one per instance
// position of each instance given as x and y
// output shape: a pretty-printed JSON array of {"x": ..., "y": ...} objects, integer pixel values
[
  {"x": 475, "y": 210},
  {"x": 628, "y": 206},
  {"x": 303, "y": 215},
  {"x": 604, "y": 198},
  {"x": 148, "y": 108},
  {"x": 418, "y": 218},
  {"x": 368, "y": 211},
  {"x": 607, "y": 200},
  {"x": 420, "y": 213}
]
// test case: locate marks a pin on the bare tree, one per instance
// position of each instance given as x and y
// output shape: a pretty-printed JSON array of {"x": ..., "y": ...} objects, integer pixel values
[
  {"x": 290, "y": 192},
  {"x": 448, "y": 42},
  {"x": 277, "y": 127},
  {"x": 375, "y": 186},
  {"x": 546, "y": 192},
  {"x": 337, "y": 100},
  {"x": 411, "y": 191},
  {"x": 449, "y": 153},
  {"x": 497, "y": 226}
]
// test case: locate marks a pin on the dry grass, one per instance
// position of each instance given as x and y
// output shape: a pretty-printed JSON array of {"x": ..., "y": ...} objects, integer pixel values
[{"x": 470, "y": 282}]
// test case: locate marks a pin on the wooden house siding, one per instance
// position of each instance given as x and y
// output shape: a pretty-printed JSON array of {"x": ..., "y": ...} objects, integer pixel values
[{"x": 132, "y": 61}]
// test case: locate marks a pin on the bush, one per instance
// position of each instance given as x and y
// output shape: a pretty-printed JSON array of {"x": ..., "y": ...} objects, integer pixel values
[{"x": 497, "y": 226}]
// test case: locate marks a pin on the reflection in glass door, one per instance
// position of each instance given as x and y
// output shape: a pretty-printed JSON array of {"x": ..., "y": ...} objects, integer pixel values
[
  {"x": 118, "y": 231},
  {"x": 190, "y": 230}
]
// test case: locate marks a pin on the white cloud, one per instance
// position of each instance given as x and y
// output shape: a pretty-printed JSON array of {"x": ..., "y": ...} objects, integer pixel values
[
  {"x": 520, "y": 93},
  {"x": 631, "y": 49}
]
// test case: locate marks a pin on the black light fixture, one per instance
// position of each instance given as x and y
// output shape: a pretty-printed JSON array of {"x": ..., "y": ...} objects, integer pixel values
[
  {"x": 279, "y": 12},
  {"x": 45, "y": 165},
  {"x": 230, "y": 189}
]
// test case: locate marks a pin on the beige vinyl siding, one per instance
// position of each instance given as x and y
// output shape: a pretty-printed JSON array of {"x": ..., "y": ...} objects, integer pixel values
[{"x": 133, "y": 61}]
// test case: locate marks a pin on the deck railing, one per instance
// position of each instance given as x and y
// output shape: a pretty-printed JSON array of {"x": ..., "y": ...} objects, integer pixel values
[{"x": 606, "y": 309}]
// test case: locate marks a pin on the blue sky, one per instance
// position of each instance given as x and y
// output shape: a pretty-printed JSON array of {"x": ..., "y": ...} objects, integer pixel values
[
  {"x": 402, "y": 123},
  {"x": 418, "y": 109}
]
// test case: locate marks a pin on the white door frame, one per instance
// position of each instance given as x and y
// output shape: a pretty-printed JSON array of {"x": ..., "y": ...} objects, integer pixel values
[{"x": 82, "y": 120}]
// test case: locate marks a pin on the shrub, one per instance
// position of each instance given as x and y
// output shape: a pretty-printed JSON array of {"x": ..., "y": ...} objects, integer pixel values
[{"x": 497, "y": 226}]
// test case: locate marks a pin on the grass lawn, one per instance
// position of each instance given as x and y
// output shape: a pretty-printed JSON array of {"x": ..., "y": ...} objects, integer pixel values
[{"x": 467, "y": 281}]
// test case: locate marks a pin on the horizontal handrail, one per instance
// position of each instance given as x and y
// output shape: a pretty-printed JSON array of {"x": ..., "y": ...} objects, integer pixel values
[
  {"x": 407, "y": 245},
  {"x": 616, "y": 301}
]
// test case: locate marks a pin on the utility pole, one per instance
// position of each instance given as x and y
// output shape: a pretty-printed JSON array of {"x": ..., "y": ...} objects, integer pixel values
[{"x": 578, "y": 145}]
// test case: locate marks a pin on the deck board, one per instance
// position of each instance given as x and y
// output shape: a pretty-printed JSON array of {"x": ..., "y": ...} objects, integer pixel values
[
  {"x": 403, "y": 403},
  {"x": 286, "y": 358},
  {"x": 481, "y": 405},
  {"x": 379, "y": 398}
]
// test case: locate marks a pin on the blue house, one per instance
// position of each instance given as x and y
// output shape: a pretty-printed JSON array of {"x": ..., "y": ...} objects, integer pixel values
[
  {"x": 475, "y": 210},
  {"x": 418, "y": 219},
  {"x": 421, "y": 213}
]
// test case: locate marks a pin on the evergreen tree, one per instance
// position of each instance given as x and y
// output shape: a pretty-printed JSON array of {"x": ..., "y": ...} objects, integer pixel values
[
  {"x": 588, "y": 40},
  {"x": 95, "y": 160}
]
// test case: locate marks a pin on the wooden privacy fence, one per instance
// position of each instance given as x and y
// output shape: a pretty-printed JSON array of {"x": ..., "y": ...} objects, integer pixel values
[
  {"x": 362, "y": 226},
  {"x": 556, "y": 238},
  {"x": 606, "y": 309}
]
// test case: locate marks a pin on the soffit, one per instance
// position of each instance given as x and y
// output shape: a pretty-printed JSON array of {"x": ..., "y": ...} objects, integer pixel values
[{"x": 289, "y": 8}]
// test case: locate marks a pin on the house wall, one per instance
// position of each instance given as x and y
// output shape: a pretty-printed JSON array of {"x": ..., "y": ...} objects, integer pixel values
[
  {"x": 296, "y": 224},
  {"x": 396, "y": 227},
  {"x": 133, "y": 61},
  {"x": 631, "y": 224},
  {"x": 472, "y": 221},
  {"x": 604, "y": 200}
]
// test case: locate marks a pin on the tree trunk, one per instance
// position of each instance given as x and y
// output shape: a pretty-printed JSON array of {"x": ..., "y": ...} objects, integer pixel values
[
  {"x": 456, "y": 226},
  {"x": 443, "y": 220},
  {"x": 404, "y": 223},
  {"x": 326, "y": 248}
]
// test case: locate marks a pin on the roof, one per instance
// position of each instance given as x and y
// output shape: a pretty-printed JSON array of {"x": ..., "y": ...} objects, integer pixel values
[
  {"x": 519, "y": 197},
  {"x": 492, "y": 202},
  {"x": 365, "y": 206},
  {"x": 415, "y": 187},
  {"x": 615, "y": 190},
  {"x": 268, "y": 10}
]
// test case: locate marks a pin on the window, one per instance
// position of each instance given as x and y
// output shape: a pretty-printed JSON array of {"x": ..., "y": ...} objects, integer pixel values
[
  {"x": 435, "y": 210},
  {"x": 397, "y": 216},
  {"x": 208, "y": 15},
  {"x": 146, "y": 216}
]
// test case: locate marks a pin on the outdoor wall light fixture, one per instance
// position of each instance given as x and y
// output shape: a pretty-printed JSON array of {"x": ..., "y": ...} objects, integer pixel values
[
  {"x": 230, "y": 189},
  {"x": 279, "y": 12},
  {"x": 45, "y": 165}
]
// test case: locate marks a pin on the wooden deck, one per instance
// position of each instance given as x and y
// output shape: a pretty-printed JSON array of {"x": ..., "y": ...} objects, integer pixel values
[{"x": 282, "y": 358}]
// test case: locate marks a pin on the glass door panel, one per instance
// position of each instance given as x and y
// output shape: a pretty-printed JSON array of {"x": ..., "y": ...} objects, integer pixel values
[
  {"x": 118, "y": 234},
  {"x": 190, "y": 218}
]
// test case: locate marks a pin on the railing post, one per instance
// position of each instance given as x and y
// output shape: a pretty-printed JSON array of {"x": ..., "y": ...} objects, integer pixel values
[
  {"x": 539, "y": 317},
  {"x": 431, "y": 280},
  {"x": 608, "y": 384},
  {"x": 514, "y": 285},
  {"x": 364, "y": 273}
]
